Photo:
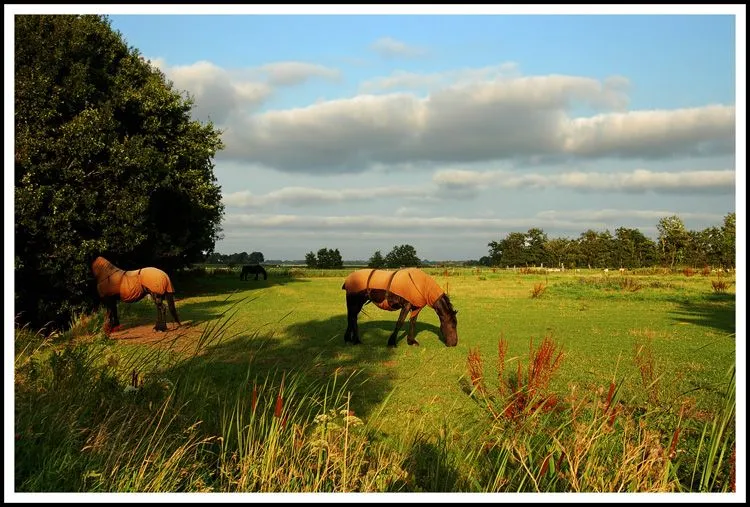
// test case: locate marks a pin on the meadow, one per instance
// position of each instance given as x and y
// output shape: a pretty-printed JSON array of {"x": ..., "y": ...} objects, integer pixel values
[{"x": 575, "y": 381}]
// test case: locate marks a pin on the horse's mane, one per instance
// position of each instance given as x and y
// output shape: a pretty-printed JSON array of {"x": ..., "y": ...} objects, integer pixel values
[
  {"x": 448, "y": 302},
  {"x": 102, "y": 268}
]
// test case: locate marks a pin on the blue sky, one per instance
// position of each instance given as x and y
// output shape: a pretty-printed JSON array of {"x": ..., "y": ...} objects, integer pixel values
[{"x": 446, "y": 132}]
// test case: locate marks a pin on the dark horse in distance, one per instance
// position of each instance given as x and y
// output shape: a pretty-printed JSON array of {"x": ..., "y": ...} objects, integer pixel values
[
  {"x": 408, "y": 290},
  {"x": 256, "y": 269},
  {"x": 113, "y": 284}
]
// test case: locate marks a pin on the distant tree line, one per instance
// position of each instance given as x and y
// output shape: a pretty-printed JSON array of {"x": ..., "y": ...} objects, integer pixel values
[
  {"x": 627, "y": 248},
  {"x": 235, "y": 258}
]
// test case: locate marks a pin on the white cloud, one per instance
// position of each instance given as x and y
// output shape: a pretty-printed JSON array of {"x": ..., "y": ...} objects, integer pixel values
[
  {"x": 217, "y": 93},
  {"x": 389, "y": 47},
  {"x": 639, "y": 180},
  {"x": 221, "y": 94},
  {"x": 693, "y": 131},
  {"x": 464, "y": 184},
  {"x": 503, "y": 119},
  {"x": 622, "y": 216},
  {"x": 292, "y": 73},
  {"x": 304, "y": 196},
  {"x": 412, "y": 80},
  {"x": 549, "y": 220}
]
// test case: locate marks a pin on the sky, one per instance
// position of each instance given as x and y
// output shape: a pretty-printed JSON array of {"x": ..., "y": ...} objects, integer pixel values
[{"x": 448, "y": 131}]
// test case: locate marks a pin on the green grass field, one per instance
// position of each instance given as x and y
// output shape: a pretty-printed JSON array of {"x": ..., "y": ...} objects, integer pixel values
[
  {"x": 418, "y": 400},
  {"x": 297, "y": 323}
]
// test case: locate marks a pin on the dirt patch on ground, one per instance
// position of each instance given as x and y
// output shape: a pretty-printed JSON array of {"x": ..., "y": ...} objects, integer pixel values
[{"x": 175, "y": 335}]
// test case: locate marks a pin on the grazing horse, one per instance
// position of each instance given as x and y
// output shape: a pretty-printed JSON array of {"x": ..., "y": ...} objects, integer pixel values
[
  {"x": 408, "y": 290},
  {"x": 113, "y": 284},
  {"x": 254, "y": 268}
]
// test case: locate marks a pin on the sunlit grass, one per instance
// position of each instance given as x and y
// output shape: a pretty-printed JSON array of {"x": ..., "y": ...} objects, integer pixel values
[{"x": 263, "y": 395}]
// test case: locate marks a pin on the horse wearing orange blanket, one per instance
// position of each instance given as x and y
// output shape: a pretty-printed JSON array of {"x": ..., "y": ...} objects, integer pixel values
[
  {"x": 113, "y": 284},
  {"x": 408, "y": 290}
]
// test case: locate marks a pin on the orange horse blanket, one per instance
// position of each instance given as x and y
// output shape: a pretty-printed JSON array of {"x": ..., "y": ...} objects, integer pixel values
[
  {"x": 131, "y": 286},
  {"x": 412, "y": 284}
]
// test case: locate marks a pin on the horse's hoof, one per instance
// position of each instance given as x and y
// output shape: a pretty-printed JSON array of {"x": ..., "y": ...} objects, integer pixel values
[
  {"x": 413, "y": 342},
  {"x": 392, "y": 345}
]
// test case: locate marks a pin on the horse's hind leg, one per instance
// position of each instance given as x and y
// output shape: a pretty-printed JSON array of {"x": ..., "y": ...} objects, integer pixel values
[
  {"x": 172, "y": 309},
  {"x": 112, "y": 317},
  {"x": 161, "y": 313},
  {"x": 354, "y": 303}
]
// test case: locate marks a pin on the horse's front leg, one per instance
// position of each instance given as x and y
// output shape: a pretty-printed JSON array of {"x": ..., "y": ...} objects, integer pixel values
[
  {"x": 401, "y": 317},
  {"x": 161, "y": 313},
  {"x": 412, "y": 327}
]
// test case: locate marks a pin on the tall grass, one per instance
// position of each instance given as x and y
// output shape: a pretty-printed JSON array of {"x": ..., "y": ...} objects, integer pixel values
[
  {"x": 591, "y": 442},
  {"x": 87, "y": 421}
]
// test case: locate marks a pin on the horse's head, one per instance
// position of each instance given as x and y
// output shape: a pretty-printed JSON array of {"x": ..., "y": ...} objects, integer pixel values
[{"x": 448, "y": 321}]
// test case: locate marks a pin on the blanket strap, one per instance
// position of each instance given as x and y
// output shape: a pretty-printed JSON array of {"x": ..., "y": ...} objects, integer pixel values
[
  {"x": 390, "y": 281},
  {"x": 367, "y": 285}
]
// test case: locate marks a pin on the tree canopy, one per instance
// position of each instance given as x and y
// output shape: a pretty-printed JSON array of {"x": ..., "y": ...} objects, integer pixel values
[
  {"x": 402, "y": 256},
  {"x": 325, "y": 259},
  {"x": 107, "y": 162},
  {"x": 628, "y": 248}
]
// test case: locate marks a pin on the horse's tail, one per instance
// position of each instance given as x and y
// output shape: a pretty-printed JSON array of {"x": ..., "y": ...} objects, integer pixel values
[{"x": 172, "y": 308}]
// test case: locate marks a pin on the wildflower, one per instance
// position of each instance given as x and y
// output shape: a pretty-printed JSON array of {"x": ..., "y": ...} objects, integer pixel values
[
  {"x": 321, "y": 418},
  {"x": 352, "y": 420}
]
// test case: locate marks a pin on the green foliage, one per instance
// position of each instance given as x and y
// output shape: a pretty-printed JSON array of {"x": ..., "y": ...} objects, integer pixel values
[
  {"x": 326, "y": 259},
  {"x": 310, "y": 260},
  {"x": 629, "y": 248},
  {"x": 402, "y": 256},
  {"x": 376, "y": 261},
  {"x": 255, "y": 258},
  {"x": 673, "y": 238},
  {"x": 632, "y": 249},
  {"x": 728, "y": 241},
  {"x": 329, "y": 259},
  {"x": 509, "y": 251},
  {"x": 107, "y": 161}
]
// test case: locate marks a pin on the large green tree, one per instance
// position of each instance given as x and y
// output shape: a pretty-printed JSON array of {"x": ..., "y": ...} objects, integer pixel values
[
  {"x": 329, "y": 259},
  {"x": 510, "y": 251},
  {"x": 632, "y": 249},
  {"x": 673, "y": 239},
  {"x": 107, "y": 162},
  {"x": 728, "y": 244},
  {"x": 402, "y": 256},
  {"x": 376, "y": 261}
]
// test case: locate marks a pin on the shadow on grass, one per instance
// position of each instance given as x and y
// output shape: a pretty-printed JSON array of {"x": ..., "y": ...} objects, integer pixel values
[
  {"x": 431, "y": 469},
  {"x": 716, "y": 311},
  {"x": 198, "y": 285},
  {"x": 315, "y": 353},
  {"x": 373, "y": 333}
]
